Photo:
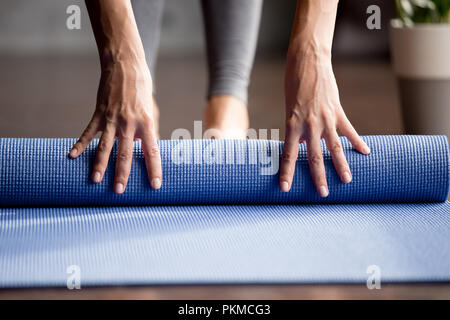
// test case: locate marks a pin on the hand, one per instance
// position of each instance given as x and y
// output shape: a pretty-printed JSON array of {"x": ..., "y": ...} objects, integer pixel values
[
  {"x": 313, "y": 111},
  {"x": 124, "y": 110}
]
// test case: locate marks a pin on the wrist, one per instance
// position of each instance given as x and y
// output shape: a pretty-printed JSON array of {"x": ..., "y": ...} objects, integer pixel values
[
  {"x": 131, "y": 56},
  {"x": 130, "y": 70},
  {"x": 309, "y": 49}
]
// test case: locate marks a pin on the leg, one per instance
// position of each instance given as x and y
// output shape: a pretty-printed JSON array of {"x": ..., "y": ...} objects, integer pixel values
[
  {"x": 148, "y": 15},
  {"x": 231, "y": 29}
]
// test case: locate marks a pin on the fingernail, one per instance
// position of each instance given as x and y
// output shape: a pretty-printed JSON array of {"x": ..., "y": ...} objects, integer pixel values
[
  {"x": 284, "y": 186},
  {"x": 96, "y": 177},
  {"x": 366, "y": 149},
  {"x": 156, "y": 183},
  {"x": 119, "y": 188},
  {"x": 323, "y": 191},
  {"x": 346, "y": 177},
  {"x": 73, "y": 152}
]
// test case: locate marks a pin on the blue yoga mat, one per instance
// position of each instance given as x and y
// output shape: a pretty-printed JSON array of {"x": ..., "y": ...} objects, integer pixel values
[
  {"x": 220, "y": 218},
  {"x": 399, "y": 169}
]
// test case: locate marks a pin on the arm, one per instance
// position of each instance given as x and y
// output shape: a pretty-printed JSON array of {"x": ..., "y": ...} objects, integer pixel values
[
  {"x": 124, "y": 98},
  {"x": 313, "y": 109}
]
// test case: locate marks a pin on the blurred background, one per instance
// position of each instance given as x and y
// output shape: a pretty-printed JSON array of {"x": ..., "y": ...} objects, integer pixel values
[{"x": 49, "y": 74}]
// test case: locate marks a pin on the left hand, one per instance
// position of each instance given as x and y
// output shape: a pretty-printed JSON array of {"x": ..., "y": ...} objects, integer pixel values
[{"x": 313, "y": 112}]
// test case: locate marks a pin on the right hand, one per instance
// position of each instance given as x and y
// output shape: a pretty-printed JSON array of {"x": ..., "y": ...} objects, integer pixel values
[{"x": 124, "y": 110}]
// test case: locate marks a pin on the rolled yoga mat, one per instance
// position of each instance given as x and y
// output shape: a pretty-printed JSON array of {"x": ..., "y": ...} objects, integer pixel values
[
  {"x": 399, "y": 169},
  {"x": 392, "y": 219}
]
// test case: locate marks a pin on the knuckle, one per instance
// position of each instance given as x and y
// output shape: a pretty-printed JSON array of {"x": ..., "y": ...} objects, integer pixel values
[
  {"x": 124, "y": 156},
  {"x": 122, "y": 118},
  {"x": 315, "y": 159},
  {"x": 102, "y": 146},
  {"x": 326, "y": 114},
  {"x": 101, "y": 108},
  {"x": 83, "y": 140},
  {"x": 153, "y": 151},
  {"x": 288, "y": 156},
  {"x": 293, "y": 114},
  {"x": 126, "y": 116},
  {"x": 336, "y": 147},
  {"x": 125, "y": 132},
  {"x": 292, "y": 121},
  {"x": 110, "y": 115},
  {"x": 312, "y": 121}
]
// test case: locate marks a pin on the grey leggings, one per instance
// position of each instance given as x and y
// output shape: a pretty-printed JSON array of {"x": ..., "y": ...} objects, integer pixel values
[{"x": 231, "y": 29}]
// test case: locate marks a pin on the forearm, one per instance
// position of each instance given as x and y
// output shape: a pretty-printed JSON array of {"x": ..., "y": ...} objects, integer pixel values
[
  {"x": 313, "y": 27},
  {"x": 313, "y": 109},
  {"x": 115, "y": 31},
  {"x": 124, "y": 97}
]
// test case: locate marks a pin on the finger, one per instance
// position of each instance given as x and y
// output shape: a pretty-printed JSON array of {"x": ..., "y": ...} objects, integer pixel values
[
  {"x": 123, "y": 163},
  {"x": 103, "y": 151},
  {"x": 347, "y": 130},
  {"x": 337, "y": 155},
  {"x": 288, "y": 159},
  {"x": 86, "y": 138},
  {"x": 152, "y": 159},
  {"x": 316, "y": 166}
]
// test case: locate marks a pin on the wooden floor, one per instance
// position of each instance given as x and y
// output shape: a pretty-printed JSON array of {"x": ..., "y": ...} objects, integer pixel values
[
  {"x": 246, "y": 292},
  {"x": 54, "y": 97}
]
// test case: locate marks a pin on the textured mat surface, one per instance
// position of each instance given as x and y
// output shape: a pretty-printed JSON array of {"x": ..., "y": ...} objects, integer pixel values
[
  {"x": 278, "y": 241},
  {"x": 399, "y": 169},
  {"x": 225, "y": 244}
]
